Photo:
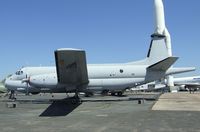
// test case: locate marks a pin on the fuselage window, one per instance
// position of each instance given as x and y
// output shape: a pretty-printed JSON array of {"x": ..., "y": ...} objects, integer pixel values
[
  {"x": 121, "y": 71},
  {"x": 17, "y": 73}
]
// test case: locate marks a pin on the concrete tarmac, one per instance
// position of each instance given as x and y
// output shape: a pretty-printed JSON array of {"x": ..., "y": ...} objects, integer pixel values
[
  {"x": 182, "y": 101},
  {"x": 93, "y": 116}
]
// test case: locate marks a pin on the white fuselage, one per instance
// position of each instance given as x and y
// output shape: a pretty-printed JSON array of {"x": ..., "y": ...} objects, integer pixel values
[
  {"x": 110, "y": 77},
  {"x": 101, "y": 77}
]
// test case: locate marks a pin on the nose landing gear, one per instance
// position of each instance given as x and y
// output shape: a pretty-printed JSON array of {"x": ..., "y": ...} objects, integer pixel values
[{"x": 12, "y": 95}]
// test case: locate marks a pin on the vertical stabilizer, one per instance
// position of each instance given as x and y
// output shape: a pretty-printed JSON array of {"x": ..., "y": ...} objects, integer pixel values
[
  {"x": 160, "y": 28},
  {"x": 157, "y": 50},
  {"x": 160, "y": 47},
  {"x": 159, "y": 17}
]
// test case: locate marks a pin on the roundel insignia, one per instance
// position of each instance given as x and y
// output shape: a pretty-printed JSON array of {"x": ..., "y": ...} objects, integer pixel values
[{"x": 62, "y": 62}]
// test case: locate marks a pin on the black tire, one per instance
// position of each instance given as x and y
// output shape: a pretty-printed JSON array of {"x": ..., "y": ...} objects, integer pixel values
[
  {"x": 35, "y": 93},
  {"x": 119, "y": 93},
  {"x": 89, "y": 94},
  {"x": 104, "y": 92},
  {"x": 112, "y": 94}
]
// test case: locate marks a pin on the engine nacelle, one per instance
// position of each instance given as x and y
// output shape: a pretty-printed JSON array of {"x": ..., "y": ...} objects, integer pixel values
[{"x": 44, "y": 80}]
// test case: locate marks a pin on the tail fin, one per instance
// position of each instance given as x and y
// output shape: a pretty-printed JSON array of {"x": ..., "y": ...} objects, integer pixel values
[
  {"x": 157, "y": 50},
  {"x": 160, "y": 47}
]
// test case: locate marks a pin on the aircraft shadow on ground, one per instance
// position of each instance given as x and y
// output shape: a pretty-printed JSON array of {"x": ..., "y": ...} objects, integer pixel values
[{"x": 61, "y": 107}]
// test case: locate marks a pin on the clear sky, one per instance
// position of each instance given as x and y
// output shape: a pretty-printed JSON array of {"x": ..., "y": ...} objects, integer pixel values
[{"x": 110, "y": 31}]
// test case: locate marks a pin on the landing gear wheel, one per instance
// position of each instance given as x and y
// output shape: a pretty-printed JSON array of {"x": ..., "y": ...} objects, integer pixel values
[
  {"x": 76, "y": 95},
  {"x": 88, "y": 94},
  {"x": 119, "y": 93},
  {"x": 112, "y": 94},
  {"x": 104, "y": 92},
  {"x": 76, "y": 99}
]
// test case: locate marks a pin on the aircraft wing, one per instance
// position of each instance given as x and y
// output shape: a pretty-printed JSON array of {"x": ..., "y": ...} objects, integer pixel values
[{"x": 71, "y": 67}]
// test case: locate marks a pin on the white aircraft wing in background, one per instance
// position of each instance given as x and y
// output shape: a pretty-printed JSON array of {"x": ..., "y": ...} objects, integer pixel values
[{"x": 189, "y": 85}]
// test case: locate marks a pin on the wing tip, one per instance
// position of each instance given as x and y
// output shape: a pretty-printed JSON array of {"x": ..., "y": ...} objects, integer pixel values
[{"x": 69, "y": 49}]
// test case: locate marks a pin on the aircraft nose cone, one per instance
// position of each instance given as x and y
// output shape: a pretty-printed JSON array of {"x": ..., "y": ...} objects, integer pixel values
[{"x": 6, "y": 82}]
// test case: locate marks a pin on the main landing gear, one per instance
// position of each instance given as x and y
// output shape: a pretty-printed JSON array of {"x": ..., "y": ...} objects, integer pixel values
[
  {"x": 12, "y": 95},
  {"x": 120, "y": 93},
  {"x": 76, "y": 99}
]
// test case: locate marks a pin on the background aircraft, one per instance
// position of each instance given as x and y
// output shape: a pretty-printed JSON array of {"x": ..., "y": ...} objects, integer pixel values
[
  {"x": 182, "y": 83},
  {"x": 72, "y": 74},
  {"x": 187, "y": 83}
]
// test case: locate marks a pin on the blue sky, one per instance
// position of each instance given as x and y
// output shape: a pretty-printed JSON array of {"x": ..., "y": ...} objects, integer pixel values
[{"x": 110, "y": 31}]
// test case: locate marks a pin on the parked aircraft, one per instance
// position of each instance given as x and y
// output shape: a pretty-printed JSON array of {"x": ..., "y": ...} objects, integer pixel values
[
  {"x": 187, "y": 83},
  {"x": 184, "y": 83},
  {"x": 73, "y": 74}
]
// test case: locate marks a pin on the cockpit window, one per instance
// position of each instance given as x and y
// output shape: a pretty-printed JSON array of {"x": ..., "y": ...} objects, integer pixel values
[{"x": 19, "y": 73}]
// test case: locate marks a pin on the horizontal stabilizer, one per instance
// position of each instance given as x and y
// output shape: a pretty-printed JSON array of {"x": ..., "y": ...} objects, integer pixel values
[{"x": 163, "y": 65}]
